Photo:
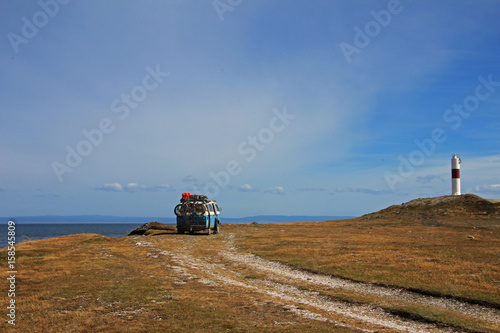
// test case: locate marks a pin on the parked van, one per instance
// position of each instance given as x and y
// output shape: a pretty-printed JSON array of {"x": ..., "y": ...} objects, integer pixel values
[{"x": 197, "y": 213}]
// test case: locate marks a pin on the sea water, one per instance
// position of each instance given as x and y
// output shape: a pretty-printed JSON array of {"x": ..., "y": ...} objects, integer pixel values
[{"x": 27, "y": 232}]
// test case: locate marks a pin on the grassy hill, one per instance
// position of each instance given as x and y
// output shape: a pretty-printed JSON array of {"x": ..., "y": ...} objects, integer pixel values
[
  {"x": 453, "y": 210},
  {"x": 444, "y": 248}
]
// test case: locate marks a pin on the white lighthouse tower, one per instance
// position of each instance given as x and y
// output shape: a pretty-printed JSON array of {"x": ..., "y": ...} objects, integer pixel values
[{"x": 455, "y": 175}]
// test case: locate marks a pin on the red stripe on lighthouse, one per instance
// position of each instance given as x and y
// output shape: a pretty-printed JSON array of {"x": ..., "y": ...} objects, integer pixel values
[{"x": 455, "y": 173}]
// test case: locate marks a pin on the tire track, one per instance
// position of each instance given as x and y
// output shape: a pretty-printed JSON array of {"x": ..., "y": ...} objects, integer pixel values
[
  {"x": 283, "y": 285},
  {"x": 280, "y": 271}
]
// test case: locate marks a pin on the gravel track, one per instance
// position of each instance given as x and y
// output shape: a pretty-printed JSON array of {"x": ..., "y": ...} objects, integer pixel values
[{"x": 294, "y": 289}]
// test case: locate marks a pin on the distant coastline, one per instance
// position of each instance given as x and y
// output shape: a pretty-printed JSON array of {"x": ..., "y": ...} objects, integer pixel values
[{"x": 54, "y": 219}]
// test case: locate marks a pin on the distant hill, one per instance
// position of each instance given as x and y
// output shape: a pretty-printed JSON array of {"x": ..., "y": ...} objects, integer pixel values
[
  {"x": 282, "y": 219},
  {"x": 86, "y": 219},
  {"x": 167, "y": 220},
  {"x": 450, "y": 209}
]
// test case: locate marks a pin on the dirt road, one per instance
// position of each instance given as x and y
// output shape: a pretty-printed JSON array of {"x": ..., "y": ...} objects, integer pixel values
[{"x": 222, "y": 267}]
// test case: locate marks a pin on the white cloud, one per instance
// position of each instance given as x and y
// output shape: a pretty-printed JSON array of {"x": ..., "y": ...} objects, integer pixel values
[
  {"x": 134, "y": 187},
  {"x": 161, "y": 187},
  {"x": 276, "y": 190},
  {"x": 311, "y": 189},
  {"x": 490, "y": 189},
  {"x": 360, "y": 190},
  {"x": 112, "y": 187},
  {"x": 474, "y": 171},
  {"x": 247, "y": 188},
  {"x": 428, "y": 179}
]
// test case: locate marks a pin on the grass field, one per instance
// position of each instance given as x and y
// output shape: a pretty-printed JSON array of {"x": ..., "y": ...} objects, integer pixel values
[
  {"x": 91, "y": 283},
  {"x": 67, "y": 284},
  {"x": 460, "y": 262}
]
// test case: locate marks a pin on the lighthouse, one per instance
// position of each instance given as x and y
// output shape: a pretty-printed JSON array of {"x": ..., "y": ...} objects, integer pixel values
[{"x": 455, "y": 175}]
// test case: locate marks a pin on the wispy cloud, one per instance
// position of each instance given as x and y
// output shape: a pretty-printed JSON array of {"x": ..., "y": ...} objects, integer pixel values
[
  {"x": 428, "y": 179},
  {"x": 42, "y": 194},
  {"x": 46, "y": 196},
  {"x": 111, "y": 187},
  {"x": 276, "y": 190},
  {"x": 190, "y": 179},
  {"x": 489, "y": 189},
  {"x": 162, "y": 187},
  {"x": 360, "y": 190},
  {"x": 247, "y": 188},
  {"x": 133, "y": 188},
  {"x": 311, "y": 189}
]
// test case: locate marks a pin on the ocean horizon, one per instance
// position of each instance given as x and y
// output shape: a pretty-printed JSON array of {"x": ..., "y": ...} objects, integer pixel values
[
  {"x": 36, "y": 231},
  {"x": 92, "y": 219},
  {"x": 43, "y": 227}
]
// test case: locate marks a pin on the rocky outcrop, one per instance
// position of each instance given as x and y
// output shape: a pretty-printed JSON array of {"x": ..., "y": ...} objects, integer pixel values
[{"x": 153, "y": 228}]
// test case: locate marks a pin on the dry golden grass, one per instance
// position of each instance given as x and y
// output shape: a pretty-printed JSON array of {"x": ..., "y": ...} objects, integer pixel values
[
  {"x": 92, "y": 283},
  {"x": 441, "y": 260}
]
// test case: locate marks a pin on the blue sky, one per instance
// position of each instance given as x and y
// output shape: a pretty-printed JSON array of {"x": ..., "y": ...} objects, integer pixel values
[{"x": 271, "y": 107}]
